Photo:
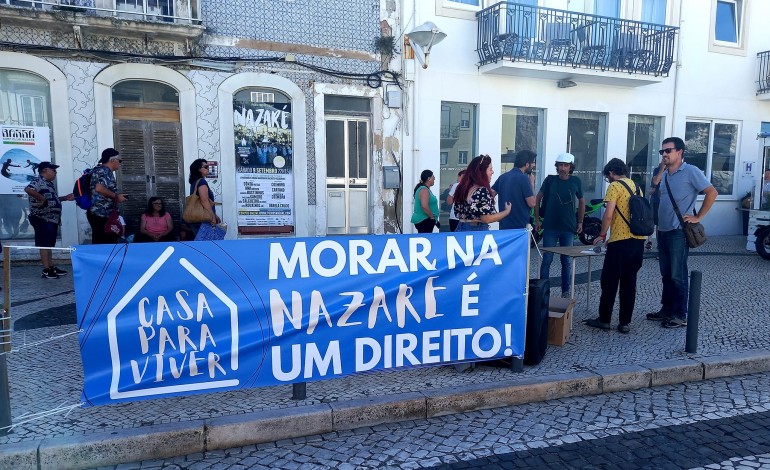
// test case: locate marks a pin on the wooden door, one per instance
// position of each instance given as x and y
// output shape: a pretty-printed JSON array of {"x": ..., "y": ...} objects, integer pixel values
[{"x": 152, "y": 166}]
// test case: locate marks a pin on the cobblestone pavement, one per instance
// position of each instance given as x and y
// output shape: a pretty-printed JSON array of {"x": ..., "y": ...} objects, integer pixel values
[
  {"x": 734, "y": 308},
  {"x": 713, "y": 424}
]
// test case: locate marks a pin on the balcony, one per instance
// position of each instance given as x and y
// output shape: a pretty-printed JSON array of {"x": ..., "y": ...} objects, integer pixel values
[
  {"x": 174, "y": 20},
  {"x": 515, "y": 39},
  {"x": 763, "y": 81}
]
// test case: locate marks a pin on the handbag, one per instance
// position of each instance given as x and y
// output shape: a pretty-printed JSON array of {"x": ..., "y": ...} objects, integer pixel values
[
  {"x": 113, "y": 226},
  {"x": 694, "y": 232},
  {"x": 211, "y": 232},
  {"x": 194, "y": 212}
]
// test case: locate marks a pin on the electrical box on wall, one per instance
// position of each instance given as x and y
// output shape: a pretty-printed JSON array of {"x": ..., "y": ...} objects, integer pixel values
[
  {"x": 392, "y": 178},
  {"x": 393, "y": 97}
]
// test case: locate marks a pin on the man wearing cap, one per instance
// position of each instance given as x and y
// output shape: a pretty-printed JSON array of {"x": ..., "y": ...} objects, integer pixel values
[
  {"x": 45, "y": 215},
  {"x": 560, "y": 202},
  {"x": 104, "y": 195}
]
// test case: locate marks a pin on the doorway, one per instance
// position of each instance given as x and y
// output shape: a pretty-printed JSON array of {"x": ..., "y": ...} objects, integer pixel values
[
  {"x": 148, "y": 134},
  {"x": 347, "y": 170}
]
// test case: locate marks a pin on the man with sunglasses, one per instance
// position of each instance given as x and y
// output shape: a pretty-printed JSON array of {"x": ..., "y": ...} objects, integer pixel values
[
  {"x": 685, "y": 182},
  {"x": 104, "y": 194}
]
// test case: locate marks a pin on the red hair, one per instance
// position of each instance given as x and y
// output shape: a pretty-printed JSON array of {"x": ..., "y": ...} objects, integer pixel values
[{"x": 475, "y": 175}]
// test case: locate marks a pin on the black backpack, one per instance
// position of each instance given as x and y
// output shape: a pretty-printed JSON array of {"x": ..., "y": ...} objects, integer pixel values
[{"x": 641, "y": 221}]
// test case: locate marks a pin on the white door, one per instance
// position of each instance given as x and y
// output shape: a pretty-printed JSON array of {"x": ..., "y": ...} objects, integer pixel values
[{"x": 347, "y": 172}]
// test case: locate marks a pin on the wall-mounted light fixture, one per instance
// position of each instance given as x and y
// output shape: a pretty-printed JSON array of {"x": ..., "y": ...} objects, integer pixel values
[
  {"x": 565, "y": 83},
  {"x": 425, "y": 36}
]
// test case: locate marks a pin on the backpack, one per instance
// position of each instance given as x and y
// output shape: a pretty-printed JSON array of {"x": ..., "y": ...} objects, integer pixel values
[
  {"x": 82, "y": 190},
  {"x": 641, "y": 221}
]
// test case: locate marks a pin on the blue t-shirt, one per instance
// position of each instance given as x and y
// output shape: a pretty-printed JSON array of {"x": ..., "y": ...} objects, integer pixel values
[
  {"x": 686, "y": 183},
  {"x": 513, "y": 186}
]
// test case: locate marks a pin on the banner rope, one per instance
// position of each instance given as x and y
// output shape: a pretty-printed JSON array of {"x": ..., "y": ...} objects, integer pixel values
[
  {"x": 39, "y": 342},
  {"x": 29, "y": 417}
]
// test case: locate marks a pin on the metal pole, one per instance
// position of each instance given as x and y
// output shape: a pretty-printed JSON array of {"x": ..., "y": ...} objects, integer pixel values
[
  {"x": 299, "y": 391},
  {"x": 693, "y": 312},
  {"x": 517, "y": 364},
  {"x": 5, "y": 346}
]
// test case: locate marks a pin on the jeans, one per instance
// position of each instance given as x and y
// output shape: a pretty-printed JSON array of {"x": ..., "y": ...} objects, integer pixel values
[
  {"x": 673, "y": 252},
  {"x": 472, "y": 227},
  {"x": 550, "y": 237},
  {"x": 621, "y": 266},
  {"x": 98, "y": 237}
]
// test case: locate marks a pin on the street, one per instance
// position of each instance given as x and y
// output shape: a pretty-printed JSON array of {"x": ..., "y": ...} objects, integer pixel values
[{"x": 714, "y": 424}]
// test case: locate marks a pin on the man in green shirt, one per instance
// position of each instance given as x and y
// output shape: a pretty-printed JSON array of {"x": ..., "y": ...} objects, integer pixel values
[{"x": 560, "y": 201}]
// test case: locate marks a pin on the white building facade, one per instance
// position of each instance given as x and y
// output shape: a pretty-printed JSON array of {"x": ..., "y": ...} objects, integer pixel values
[{"x": 600, "y": 79}]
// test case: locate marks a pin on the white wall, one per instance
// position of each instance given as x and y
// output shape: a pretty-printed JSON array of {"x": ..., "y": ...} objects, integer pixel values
[{"x": 710, "y": 85}]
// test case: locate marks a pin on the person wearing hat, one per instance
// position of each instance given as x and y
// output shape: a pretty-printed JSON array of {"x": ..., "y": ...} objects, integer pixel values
[
  {"x": 560, "y": 202},
  {"x": 45, "y": 215},
  {"x": 104, "y": 195}
]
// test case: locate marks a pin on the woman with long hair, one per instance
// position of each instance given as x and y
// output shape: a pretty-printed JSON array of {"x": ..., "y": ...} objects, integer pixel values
[
  {"x": 473, "y": 200},
  {"x": 425, "y": 212},
  {"x": 199, "y": 169},
  {"x": 155, "y": 224}
]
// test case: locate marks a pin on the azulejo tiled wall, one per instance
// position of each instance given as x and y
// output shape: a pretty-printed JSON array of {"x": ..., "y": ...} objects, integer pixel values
[{"x": 342, "y": 24}]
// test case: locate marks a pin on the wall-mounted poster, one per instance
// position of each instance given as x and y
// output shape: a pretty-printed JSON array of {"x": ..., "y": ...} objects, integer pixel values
[
  {"x": 22, "y": 149},
  {"x": 263, "y": 151}
]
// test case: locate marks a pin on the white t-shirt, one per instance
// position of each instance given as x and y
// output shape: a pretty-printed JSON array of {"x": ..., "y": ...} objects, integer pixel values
[{"x": 452, "y": 193}]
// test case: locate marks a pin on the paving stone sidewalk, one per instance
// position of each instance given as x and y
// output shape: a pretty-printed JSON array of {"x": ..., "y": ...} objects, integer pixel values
[{"x": 734, "y": 308}]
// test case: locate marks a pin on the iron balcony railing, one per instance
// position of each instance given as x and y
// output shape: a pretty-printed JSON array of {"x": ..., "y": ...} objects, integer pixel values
[
  {"x": 515, "y": 32},
  {"x": 169, "y": 11},
  {"x": 763, "y": 84}
]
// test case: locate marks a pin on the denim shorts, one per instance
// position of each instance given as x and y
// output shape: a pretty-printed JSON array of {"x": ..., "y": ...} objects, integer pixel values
[
  {"x": 472, "y": 227},
  {"x": 45, "y": 232}
]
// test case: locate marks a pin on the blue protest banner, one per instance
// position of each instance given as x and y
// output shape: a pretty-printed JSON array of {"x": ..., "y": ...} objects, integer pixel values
[{"x": 164, "y": 319}]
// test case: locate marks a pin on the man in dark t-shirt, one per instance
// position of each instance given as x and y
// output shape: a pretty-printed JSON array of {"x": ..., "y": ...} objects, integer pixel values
[
  {"x": 514, "y": 186},
  {"x": 560, "y": 201}
]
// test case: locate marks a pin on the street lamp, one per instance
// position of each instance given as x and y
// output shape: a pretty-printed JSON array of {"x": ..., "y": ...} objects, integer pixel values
[{"x": 425, "y": 36}]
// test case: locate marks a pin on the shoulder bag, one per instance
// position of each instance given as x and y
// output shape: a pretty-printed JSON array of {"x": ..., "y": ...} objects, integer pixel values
[
  {"x": 194, "y": 212},
  {"x": 695, "y": 233}
]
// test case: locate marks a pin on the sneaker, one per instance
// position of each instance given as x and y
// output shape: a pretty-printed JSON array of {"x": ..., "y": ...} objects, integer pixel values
[
  {"x": 594, "y": 322},
  {"x": 59, "y": 272},
  {"x": 49, "y": 274},
  {"x": 625, "y": 329},
  {"x": 658, "y": 316},
  {"x": 674, "y": 323}
]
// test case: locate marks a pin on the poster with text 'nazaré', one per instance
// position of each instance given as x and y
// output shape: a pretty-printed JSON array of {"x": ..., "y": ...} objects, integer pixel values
[{"x": 264, "y": 167}]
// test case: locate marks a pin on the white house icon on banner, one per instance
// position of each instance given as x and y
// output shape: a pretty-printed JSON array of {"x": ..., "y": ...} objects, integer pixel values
[{"x": 118, "y": 365}]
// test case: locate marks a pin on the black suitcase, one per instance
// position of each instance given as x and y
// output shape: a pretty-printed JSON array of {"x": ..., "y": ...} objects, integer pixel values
[{"x": 536, "y": 340}]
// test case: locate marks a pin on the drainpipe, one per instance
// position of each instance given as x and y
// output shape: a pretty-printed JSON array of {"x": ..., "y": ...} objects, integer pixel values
[
  {"x": 676, "y": 70},
  {"x": 414, "y": 102}
]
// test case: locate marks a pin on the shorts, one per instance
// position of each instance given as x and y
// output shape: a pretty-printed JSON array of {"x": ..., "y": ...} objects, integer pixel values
[{"x": 45, "y": 232}]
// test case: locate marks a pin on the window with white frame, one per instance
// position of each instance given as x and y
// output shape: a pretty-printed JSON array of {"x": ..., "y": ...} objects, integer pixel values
[
  {"x": 727, "y": 21},
  {"x": 464, "y": 9},
  {"x": 712, "y": 146},
  {"x": 444, "y": 157},
  {"x": 729, "y": 27},
  {"x": 472, "y": 3},
  {"x": 465, "y": 118},
  {"x": 462, "y": 157}
]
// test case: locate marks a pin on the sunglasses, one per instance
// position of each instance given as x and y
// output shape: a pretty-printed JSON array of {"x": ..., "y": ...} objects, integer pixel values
[
  {"x": 157, "y": 203},
  {"x": 204, "y": 167},
  {"x": 667, "y": 151}
]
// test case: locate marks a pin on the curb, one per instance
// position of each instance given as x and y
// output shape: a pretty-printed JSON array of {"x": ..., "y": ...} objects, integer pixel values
[{"x": 174, "y": 439}]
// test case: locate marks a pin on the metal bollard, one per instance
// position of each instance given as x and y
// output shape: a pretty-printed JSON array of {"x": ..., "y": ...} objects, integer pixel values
[
  {"x": 693, "y": 312},
  {"x": 299, "y": 391},
  {"x": 517, "y": 364}
]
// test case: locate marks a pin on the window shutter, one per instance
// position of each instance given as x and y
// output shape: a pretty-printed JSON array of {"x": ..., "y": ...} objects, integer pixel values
[{"x": 132, "y": 179}]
